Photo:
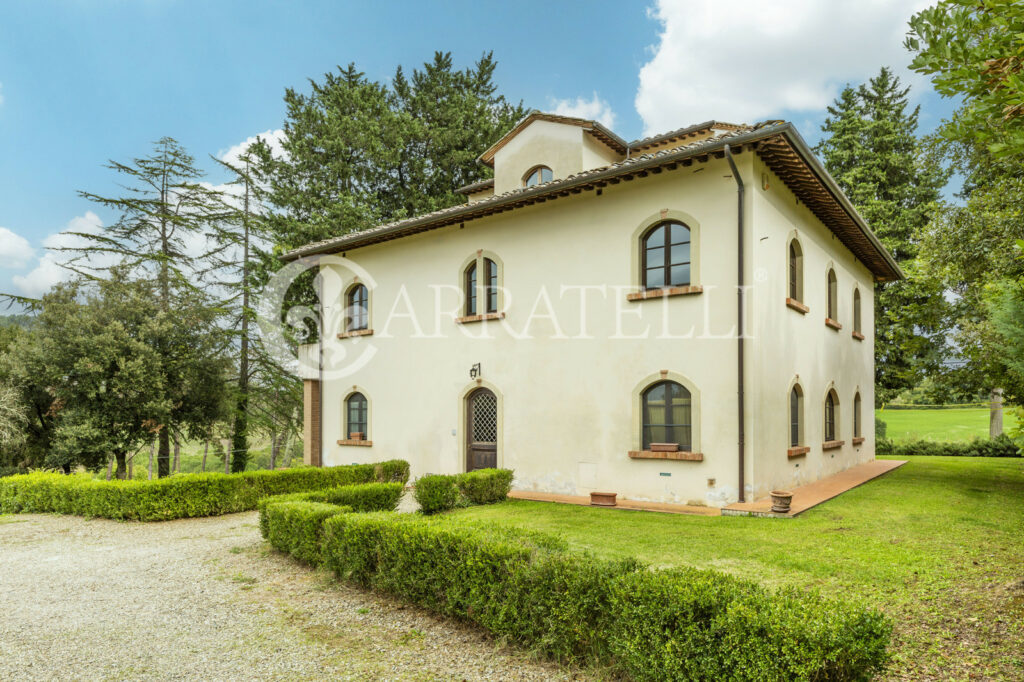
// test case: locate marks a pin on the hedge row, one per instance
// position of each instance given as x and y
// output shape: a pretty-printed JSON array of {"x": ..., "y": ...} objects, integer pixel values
[
  {"x": 363, "y": 497},
  {"x": 436, "y": 493},
  {"x": 529, "y": 588},
  {"x": 180, "y": 496},
  {"x": 1000, "y": 446}
]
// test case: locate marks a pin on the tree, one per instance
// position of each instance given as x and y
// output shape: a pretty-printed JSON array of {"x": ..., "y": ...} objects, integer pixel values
[
  {"x": 92, "y": 348},
  {"x": 973, "y": 49},
  {"x": 872, "y": 150},
  {"x": 163, "y": 211},
  {"x": 241, "y": 240}
]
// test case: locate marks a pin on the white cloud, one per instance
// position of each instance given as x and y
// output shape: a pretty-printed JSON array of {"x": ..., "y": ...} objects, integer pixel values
[
  {"x": 15, "y": 251},
  {"x": 747, "y": 60},
  {"x": 274, "y": 138},
  {"x": 595, "y": 109},
  {"x": 49, "y": 270}
]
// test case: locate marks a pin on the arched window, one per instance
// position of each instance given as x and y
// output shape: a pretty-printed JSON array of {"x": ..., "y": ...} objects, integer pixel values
[
  {"x": 856, "y": 415},
  {"x": 491, "y": 285},
  {"x": 856, "y": 311},
  {"x": 666, "y": 255},
  {"x": 536, "y": 176},
  {"x": 796, "y": 416},
  {"x": 357, "y": 310},
  {"x": 666, "y": 415},
  {"x": 355, "y": 416},
  {"x": 796, "y": 271},
  {"x": 832, "y": 289},
  {"x": 470, "y": 286},
  {"x": 831, "y": 408}
]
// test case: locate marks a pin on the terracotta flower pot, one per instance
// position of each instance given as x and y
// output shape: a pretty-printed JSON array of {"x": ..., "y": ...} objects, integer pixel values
[
  {"x": 602, "y": 499},
  {"x": 355, "y": 435},
  {"x": 664, "y": 447},
  {"x": 781, "y": 500}
]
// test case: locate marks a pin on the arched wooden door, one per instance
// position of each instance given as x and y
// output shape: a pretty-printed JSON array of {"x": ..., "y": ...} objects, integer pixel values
[{"x": 481, "y": 430}]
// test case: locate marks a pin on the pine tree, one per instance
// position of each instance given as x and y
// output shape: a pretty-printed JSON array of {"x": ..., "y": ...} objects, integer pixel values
[
  {"x": 162, "y": 213},
  {"x": 872, "y": 150}
]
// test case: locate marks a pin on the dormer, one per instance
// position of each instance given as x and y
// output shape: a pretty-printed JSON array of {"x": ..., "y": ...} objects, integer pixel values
[{"x": 545, "y": 147}]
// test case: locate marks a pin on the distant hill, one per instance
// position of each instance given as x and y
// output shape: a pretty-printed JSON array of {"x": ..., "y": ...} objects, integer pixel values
[{"x": 23, "y": 321}]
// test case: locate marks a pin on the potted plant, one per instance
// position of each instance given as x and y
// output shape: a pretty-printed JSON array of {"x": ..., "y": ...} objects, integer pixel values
[
  {"x": 602, "y": 499},
  {"x": 664, "y": 447},
  {"x": 355, "y": 435},
  {"x": 781, "y": 501}
]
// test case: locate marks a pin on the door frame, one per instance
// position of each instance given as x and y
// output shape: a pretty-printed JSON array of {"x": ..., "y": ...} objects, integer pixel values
[{"x": 463, "y": 431}]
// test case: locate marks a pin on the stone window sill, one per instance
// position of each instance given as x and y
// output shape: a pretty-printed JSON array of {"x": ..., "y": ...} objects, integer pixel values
[
  {"x": 798, "y": 451},
  {"x": 479, "y": 318},
  {"x": 857, "y": 335},
  {"x": 355, "y": 332},
  {"x": 681, "y": 455},
  {"x": 360, "y": 443},
  {"x": 796, "y": 305},
  {"x": 832, "y": 444},
  {"x": 858, "y": 440},
  {"x": 664, "y": 292},
  {"x": 829, "y": 322}
]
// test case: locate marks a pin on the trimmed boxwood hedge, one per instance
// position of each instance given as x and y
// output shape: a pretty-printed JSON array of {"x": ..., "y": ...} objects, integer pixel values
[
  {"x": 1000, "y": 446},
  {"x": 529, "y": 588},
  {"x": 363, "y": 497},
  {"x": 175, "y": 497},
  {"x": 438, "y": 492},
  {"x": 296, "y": 527}
]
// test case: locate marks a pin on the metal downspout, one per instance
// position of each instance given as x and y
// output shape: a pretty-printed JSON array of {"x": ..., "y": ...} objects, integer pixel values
[{"x": 739, "y": 323}]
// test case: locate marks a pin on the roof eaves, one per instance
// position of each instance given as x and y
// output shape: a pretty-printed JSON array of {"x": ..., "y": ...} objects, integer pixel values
[{"x": 476, "y": 186}]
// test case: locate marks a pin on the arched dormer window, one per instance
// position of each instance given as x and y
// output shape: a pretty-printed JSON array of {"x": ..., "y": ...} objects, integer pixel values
[
  {"x": 796, "y": 271},
  {"x": 666, "y": 415},
  {"x": 357, "y": 308},
  {"x": 832, "y": 302},
  {"x": 665, "y": 250},
  {"x": 831, "y": 415},
  {"x": 796, "y": 416},
  {"x": 537, "y": 175},
  {"x": 356, "y": 410},
  {"x": 470, "y": 288}
]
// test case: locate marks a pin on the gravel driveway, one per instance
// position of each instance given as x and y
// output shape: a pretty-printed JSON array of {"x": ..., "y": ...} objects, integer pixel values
[{"x": 208, "y": 599}]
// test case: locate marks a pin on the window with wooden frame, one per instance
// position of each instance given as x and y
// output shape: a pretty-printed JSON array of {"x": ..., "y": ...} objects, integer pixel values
[
  {"x": 796, "y": 416},
  {"x": 666, "y": 415},
  {"x": 537, "y": 175},
  {"x": 356, "y": 416},
  {"x": 490, "y": 286},
  {"x": 357, "y": 308},
  {"x": 796, "y": 271},
  {"x": 856, "y": 311},
  {"x": 665, "y": 256},
  {"x": 856, "y": 415},
  {"x": 832, "y": 289},
  {"x": 470, "y": 289},
  {"x": 831, "y": 415}
]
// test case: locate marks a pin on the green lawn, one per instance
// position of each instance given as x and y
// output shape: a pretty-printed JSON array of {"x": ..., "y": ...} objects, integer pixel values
[
  {"x": 936, "y": 544},
  {"x": 942, "y": 425}
]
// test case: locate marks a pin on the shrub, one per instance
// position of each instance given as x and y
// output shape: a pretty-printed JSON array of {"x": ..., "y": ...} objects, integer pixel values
[
  {"x": 296, "y": 527},
  {"x": 485, "y": 486},
  {"x": 686, "y": 624},
  {"x": 1000, "y": 446},
  {"x": 180, "y": 496},
  {"x": 436, "y": 493},
  {"x": 574, "y": 607},
  {"x": 365, "y": 497},
  {"x": 881, "y": 428},
  {"x": 393, "y": 471}
]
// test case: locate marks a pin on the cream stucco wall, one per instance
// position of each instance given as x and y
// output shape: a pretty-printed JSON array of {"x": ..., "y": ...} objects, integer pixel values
[{"x": 570, "y": 357}]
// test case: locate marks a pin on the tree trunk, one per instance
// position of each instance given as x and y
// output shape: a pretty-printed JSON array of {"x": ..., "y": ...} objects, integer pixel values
[
  {"x": 131, "y": 467},
  {"x": 227, "y": 457},
  {"x": 110, "y": 466},
  {"x": 206, "y": 451},
  {"x": 177, "y": 455},
  {"x": 163, "y": 456},
  {"x": 152, "y": 451},
  {"x": 240, "y": 441},
  {"x": 995, "y": 415},
  {"x": 273, "y": 450},
  {"x": 121, "y": 465}
]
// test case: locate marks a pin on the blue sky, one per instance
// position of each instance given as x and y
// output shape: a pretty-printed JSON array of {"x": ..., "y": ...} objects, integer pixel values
[{"x": 89, "y": 80}]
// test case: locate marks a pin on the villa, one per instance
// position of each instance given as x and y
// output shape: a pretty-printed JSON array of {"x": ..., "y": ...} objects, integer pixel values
[{"x": 685, "y": 318}]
